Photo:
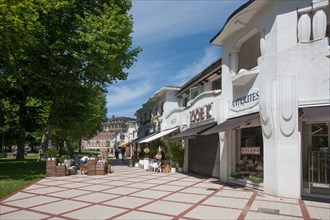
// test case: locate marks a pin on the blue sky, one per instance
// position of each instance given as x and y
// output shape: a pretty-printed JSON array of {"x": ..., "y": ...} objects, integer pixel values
[{"x": 175, "y": 38}]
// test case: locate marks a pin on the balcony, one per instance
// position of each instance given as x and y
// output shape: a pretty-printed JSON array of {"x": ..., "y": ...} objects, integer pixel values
[{"x": 244, "y": 76}]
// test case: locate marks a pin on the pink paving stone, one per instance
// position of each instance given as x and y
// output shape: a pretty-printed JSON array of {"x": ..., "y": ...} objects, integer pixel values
[
  {"x": 95, "y": 212},
  {"x": 60, "y": 207},
  {"x": 19, "y": 195},
  {"x": 142, "y": 215},
  {"x": 226, "y": 202},
  {"x": 96, "y": 187},
  {"x": 32, "y": 201},
  {"x": 95, "y": 181},
  {"x": 185, "y": 197},
  {"x": 76, "y": 185},
  {"x": 168, "y": 188},
  {"x": 22, "y": 214},
  {"x": 157, "y": 181},
  {"x": 128, "y": 202},
  {"x": 209, "y": 185},
  {"x": 172, "y": 208},
  {"x": 121, "y": 190},
  {"x": 143, "y": 185},
  {"x": 116, "y": 183},
  {"x": 319, "y": 213},
  {"x": 55, "y": 183},
  {"x": 258, "y": 215},
  {"x": 205, "y": 212},
  {"x": 95, "y": 197},
  {"x": 46, "y": 190},
  {"x": 234, "y": 194},
  {"x": 4, "y": 209},
  {"x": 152, "y": 194},
  {"x": 69, "y": 193},
  {"x": 181, "y": 183},
  {"x": 198, "y": 190}
]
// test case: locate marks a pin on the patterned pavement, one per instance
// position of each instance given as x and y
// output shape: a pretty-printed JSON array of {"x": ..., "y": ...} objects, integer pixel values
[{"x": 132, "y": 193}]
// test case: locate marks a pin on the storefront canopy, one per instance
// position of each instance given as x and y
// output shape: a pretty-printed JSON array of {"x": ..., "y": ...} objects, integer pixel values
[
  {"x": 159, "y": 135},
  {"x": 320, "y": 114},
  {"x": 144, "y": 138},
  {"x": 231, "y": 124},
  {"x": 192, "y": 132}
]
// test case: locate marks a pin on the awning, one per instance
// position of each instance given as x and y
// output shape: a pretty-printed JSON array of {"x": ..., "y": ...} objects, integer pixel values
[
  {"x": 320, "y": 114},
  {"x": 144, "y": 138},
  {"x": 231, "y": 124},
  {"x": 192, "y": 132},
  {"x": 159, "y": 135}
]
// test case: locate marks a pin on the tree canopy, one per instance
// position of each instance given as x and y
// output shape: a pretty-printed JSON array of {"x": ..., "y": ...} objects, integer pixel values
[{"x": 57, "y": 58}]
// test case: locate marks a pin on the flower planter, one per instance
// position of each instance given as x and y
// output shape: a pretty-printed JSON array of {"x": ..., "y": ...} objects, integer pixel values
[
  {"x": 247, "y": 183},
  {"x": 173, "y": 169}
]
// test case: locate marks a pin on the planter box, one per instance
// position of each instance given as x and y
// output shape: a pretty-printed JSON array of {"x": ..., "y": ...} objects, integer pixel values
[
  {"x": 247, "y": 183},
  {"x": 60, "y": 170}
]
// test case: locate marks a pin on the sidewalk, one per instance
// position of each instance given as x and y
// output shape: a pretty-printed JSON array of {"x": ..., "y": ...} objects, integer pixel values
[{"x": 132, "y": 193}]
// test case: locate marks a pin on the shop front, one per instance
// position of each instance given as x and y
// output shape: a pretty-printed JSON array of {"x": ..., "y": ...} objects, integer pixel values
[
  {"x": 246, "y": 149},
  {"x": 315, "y": 152}
]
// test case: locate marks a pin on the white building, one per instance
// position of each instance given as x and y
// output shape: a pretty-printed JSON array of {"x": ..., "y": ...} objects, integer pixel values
[
  {"x": 274, "y": 107},
  {"x": 199, "y": 111},
  {"x": 152, "y": 117}
]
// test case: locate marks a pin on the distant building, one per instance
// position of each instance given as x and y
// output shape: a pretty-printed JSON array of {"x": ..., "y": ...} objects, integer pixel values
[{"x": 114, "y": 131}]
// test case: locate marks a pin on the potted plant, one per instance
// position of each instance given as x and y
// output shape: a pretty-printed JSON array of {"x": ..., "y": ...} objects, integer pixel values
[
  {"x": 176, "y": 153},
  {"x": 173, "y": 166}
]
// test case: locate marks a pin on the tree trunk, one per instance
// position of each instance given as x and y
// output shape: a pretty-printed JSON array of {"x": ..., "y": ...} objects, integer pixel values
[
  {"x": 46, "y": 136},
  {"x": 22, "y": 127},
  {"x": 48, "y": 131},
  {"x": 79, "y": 149}
]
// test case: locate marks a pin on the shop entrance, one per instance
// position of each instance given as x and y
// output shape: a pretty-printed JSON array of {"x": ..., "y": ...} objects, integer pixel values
[
  {"x": 316, "y": 159},
  {"x": 249, "y": 155}
]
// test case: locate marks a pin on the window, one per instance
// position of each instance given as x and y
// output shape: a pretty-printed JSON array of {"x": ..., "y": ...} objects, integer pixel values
[
  {"x": 216, "y": 84},
  {"x": 184, "y": 102},
  {"x": 249, "y": 53},
  {"x": 250, "y": 153}
]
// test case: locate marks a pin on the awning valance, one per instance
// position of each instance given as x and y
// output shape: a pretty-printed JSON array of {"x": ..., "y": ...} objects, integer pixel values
[
  {"x": 192, "y": 132},
  {"x": 231, "y": 124},
  {"x": 320, "y": 114},
  {"x": 159, "y": 135}
]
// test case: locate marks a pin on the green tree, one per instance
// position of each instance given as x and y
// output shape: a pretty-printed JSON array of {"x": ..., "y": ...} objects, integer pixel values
[{"x": 47, "y": 47}]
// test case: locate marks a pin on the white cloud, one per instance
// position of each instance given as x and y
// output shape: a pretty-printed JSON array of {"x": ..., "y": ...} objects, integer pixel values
[
  {"x": 121, "y": 95},
  {"x": 156, "y": 21},
  {"x": 211, "y": 54}
]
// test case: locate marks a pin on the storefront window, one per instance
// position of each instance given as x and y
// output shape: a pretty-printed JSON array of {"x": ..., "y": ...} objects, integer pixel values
[
  {"x": 250, "y": 154},
  {"x": 316, "y": 166}
]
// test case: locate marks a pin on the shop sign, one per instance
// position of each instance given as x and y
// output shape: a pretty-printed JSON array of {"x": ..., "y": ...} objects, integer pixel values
[
  {"x": 250, "y": 150},
  {"x": 245, "y": 101},
  {"x": 201, "y": 114}
]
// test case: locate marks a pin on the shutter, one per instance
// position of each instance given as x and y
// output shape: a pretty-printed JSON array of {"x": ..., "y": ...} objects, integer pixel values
[{"x": 204, "y": 155}]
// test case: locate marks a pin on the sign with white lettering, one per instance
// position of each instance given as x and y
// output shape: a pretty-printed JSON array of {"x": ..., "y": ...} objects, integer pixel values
[
  {"x": 201, "y": 114},
  {"x": 245, "y": 101},
  {"x": 250, "y": 150}
]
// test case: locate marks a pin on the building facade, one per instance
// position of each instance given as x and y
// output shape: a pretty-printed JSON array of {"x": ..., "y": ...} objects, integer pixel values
[
  {"x": 151, "y": 118},
  {"x": 275, "y": 96},
  {"x": 115, "y": 130},
  {"x": 199, "y": 111}
]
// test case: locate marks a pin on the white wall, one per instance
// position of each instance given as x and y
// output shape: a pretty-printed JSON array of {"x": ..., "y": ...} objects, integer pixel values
[{"x": 290, "y": 74}]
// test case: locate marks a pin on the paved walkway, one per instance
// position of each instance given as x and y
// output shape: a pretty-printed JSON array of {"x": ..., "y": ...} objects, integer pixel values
[{"x": 132, "y": 193}]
